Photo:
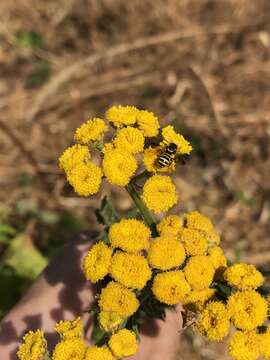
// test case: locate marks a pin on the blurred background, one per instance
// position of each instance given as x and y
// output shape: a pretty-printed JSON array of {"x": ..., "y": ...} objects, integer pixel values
[{"x": 201, "y": 65}]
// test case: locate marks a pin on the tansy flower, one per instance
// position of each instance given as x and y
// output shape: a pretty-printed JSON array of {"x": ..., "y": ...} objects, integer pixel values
[
  {"x": 243, "y": 276},
  {"x": 196, "y": 221},
  {"x": 148, "y": 123},
  {"x": 159, "y": 193},
  {"x": 199, "y": 272},
  {"x": 194, "y": 242},
  {"x": 118, "y": 166},
  {"x": 244, "y": 345},
  {"x": 171, "y": 225},
  {"x": 34, "y": 346},
  {"x": 131, "y": 270},
  {"x": 129, "y": 139},
  {"x": 198, "y": 297},
  {"x": 265, "y": 344},
  {"x": 213, "y": 321},
  {"x": 122, "y": 115},
  {"x": 248, "y": 309},
  {"x": 116, "y": 297},
  {"x": 85, "y": 178},
  {"x": 170, "y": 136},
  {"x": 170, "y": 287},
  {"x": 109, "y": 320},
  {"x": 72, "y": 156},
  {"x": 123, "y": 343},
  {"x": 70, "y": 349},
  {"x": 69, "y": 329},
  {"x": 91, "y": 130},
  {"x": 166, "y": 253},
  {"x": 150, "y": 157},
  {"x": 217, "y": 257},
  {"x": 130, "y": 235},
  {"x": 97, "y": 261},
  {"x": 98, "y": 353}
]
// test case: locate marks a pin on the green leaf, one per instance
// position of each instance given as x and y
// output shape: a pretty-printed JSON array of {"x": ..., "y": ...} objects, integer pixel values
[
  {"x": 98, "y": 334},
  {"x": 6, "y": 233},
  {"x": 29, "y": 39},
  {"x": 107, "y": 214},
  {"x": 24, "y": 258},
  {"x": 39, "y": 75}
]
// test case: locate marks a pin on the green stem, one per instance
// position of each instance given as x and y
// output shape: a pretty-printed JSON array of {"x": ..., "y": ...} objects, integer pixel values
[{"x": 150, "y": 221}]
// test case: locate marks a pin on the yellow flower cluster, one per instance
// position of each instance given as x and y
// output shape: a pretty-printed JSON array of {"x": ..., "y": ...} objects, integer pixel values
[
  {"x": 123, "y": 343},
  {"x": 69, "y": 329},
  {"x": 92, "y": 130},
  {"x": 97, "y": 262},
  {"x": 34, "y": 346},
  {"x": 243, "y": 276}
]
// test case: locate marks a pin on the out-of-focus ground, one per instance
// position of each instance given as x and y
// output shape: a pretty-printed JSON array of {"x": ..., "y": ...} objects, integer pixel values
[{"x": 202, "y": 65}]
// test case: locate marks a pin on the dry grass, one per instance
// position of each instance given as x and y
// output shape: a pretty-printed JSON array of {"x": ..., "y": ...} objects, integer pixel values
[{"x": 202, "y": 65}]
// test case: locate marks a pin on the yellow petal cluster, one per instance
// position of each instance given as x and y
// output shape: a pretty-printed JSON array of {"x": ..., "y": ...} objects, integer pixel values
[
  {"x": 130, "y": 235},
  {"x": 166, "y": 253},
  {"x": 217, "y": 257},
  {"x": 118, "y": 166},
  {"x": 109, "y": 320},
  {"x": 97, "y": 262},
  {"x": 265, "y": 344},
  {"x": 69, "y": 349},
  {"x": 170, "y": 136},
  {"x": 243, "y": 276},
  {"x": 98, "y": 353},
  {"x": 213, "y": 322},
  {"x": 129, "y": 139},
  {"x": 123, "y": 343},
  {"x": 85, "y": 178},
  {"x": 170, "y": 287},
  {"x": 69, "y": 329},
  {"x": 91, "y": 130},
  {"x": 116, "y": 297},
  {"x": 199, "y": 272},
  {"x": 122, "y": 115},
  {"x": 248, "y": 309},
  {"x": 148, "y": 123},
  {"x": 170, "y": 225},
  {"x": 244, "y": 345},
  {"x": 72, "y": 156},
  {"x": 131, "y": 270},
  {"x": 199, "y": 297},
  {"x": 34, "y": 346},
  {"x": 195, "y": 243},
  {"x": 159, "y": 193}
]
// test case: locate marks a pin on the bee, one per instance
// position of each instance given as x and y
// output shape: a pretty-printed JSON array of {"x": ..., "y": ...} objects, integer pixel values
[{"x": 167, "y": 156}]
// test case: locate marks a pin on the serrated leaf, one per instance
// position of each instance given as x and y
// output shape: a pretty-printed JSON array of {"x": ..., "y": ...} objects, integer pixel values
[{"x": 107, "y": 214}]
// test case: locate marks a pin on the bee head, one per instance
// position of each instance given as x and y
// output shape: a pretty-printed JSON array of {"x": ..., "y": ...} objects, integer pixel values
[{"x": 172, "y": 148}]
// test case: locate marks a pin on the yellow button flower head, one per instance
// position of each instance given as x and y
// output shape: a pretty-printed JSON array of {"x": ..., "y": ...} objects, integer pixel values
[
  {"x": 195, "y": 243},
  {"x": 217, "y": 257},
  {"x": 150, "y": 156},
  {"x": 97, "y": 262},
  {"x": 159, "y": 193},
  {"x": 109, "y": 320},
  {"x": 166, "y": 253},
  {"x": 72, "y": 156},
  {"x": 170, "y": 287},
  {"x": 85, "y": 178},
  {"x": 98, "y": 353},
  {"x": 244, "y": 345},
  {"x": 91, "y": 130},
  {"x": 123, "y": 343},
  {"x": 171, "y": 225},
  {"x": 196, "y": 221},
  {"x": 34, "y": 346},
  {"x": 116, "y": 297},
  {"x": 118, "y": 166},
  {"x": 199, "y": 272},
  {"x": 122, "y": 115},
  {"x": 198, "y": 297},
  {"x": 70, "y": 349},
  {"x": 69, "y": 329},
  {"x": 243, "y": 276},
  {"x": 213, "y": 321},
  {"x": 248, "y": 309},
  {"x": 129, "y": 139},
  {"x": 170, "y": 136},
  {"x": 148, "y": 123},
  {"x": 130, "y": 235},
  {"x": 131, "y": 270},
  {"x": 265, "y": 344}
]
